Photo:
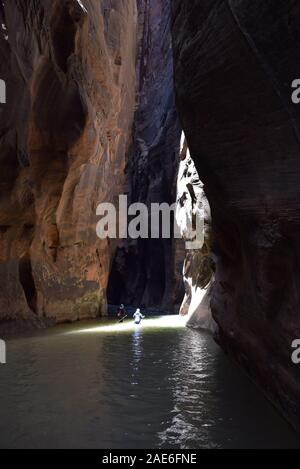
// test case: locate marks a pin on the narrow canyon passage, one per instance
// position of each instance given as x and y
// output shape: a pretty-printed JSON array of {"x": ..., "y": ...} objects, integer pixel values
[
  {"x": 185, "y": 104},
  {"x": 98, "y": 385}
]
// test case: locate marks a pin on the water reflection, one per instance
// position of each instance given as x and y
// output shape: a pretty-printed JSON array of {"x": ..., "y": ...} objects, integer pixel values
[
  {"x": 137, "y": 347},
  {"x": 149, "y": 387},
  {"x": 215, "y": 405},
  {"x": 137, "y": 355},
  {"x": 191, "y": 381}
]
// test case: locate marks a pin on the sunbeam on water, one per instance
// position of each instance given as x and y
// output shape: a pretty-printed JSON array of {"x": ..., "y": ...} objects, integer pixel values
[{"x": 160, "y": 322}]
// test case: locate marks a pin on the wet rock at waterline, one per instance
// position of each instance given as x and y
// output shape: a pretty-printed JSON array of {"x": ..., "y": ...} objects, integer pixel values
[{"x": 234, "y": 66}]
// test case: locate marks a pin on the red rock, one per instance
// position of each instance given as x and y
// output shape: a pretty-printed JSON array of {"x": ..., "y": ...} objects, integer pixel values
[
  {"x": 65, "y": 135},
  {"x": 66, "y": 139}
]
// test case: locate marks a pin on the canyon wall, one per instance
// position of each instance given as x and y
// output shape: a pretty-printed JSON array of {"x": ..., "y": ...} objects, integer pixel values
[
  {"x": 235, "y": 61},
  {"x": 149, "y": 271},
  {"x": 65, "y": 132},
  {"x": 89, "y": 97},
  {"x": 193, "y": 217}
]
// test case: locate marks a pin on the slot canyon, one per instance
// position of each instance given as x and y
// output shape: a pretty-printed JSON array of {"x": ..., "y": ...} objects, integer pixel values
[{"x": 184, "y": 102}]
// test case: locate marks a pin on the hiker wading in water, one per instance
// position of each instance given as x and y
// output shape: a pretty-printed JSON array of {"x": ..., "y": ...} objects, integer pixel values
[
  {"x": 121, "y": 313},
  {"x": 138, "y": 316}
]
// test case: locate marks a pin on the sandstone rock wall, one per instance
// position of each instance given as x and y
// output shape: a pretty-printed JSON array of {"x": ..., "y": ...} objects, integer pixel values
[
  {"x": 90, "y": 115},
  {"x": 194, "y": 220},
  {"x": 148, "y": 271},
  {"x": 64, "y": 137},
  {"x": 235, "y": 61}
]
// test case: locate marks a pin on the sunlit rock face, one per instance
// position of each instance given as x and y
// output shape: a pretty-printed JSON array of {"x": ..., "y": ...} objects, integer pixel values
[
  {"x": 193, "y": 210},
  {"x": 90, "y": 114},
  {"x": 148, "y": 271},
  {"x": 234, "y": 65},
  {"x": 65, "y": 133}
]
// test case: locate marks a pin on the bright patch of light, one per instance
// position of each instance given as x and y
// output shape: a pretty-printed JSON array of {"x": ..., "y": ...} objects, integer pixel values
[
  {"x": 4, "y": 29},
  {"x": 161, "y": 322},
  {"x": 82, "y": 6}
]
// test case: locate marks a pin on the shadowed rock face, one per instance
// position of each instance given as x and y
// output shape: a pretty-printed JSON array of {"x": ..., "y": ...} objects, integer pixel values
[
  {"x": 148, "y": 271},
  {"x": 65, "y": 131},
  {"x": 234, "y": 65}
]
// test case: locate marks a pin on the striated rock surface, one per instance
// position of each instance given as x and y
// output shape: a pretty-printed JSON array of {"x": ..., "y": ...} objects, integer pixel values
[
  {"x": 234, "y": 65},
  {"x": 65, "y": 132},
  {"x": 194, "y": 220},
  {"x": 90, "y": 115},
  {"x": 148, "y": 271}
]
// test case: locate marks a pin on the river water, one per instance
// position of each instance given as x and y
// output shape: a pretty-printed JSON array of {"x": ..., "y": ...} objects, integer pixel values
[{"x": 102, "y": 385}]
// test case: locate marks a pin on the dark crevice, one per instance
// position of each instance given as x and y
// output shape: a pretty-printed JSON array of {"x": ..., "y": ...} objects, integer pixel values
[
  {"x": 2, "y": 14},
  {"x": 4, "y": 228},
  {"x": 63, "y": 38},
  {"x": 27, "y": 282}
]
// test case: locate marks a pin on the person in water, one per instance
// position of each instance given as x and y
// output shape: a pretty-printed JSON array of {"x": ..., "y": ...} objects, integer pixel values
[
  {"x": 138, "y": 316},
  {"x": 121, "y": 313}
]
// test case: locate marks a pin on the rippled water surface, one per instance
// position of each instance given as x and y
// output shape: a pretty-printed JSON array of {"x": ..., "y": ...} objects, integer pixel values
[{"x": 98, "y": 385}]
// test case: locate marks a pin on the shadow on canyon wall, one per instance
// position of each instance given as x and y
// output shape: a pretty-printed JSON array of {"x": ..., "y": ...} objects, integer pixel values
[{"x": 234, "y": 66}]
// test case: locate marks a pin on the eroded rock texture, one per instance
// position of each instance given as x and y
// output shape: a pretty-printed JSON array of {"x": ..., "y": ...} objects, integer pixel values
[
  {"x": 194, "y": 220},
  {"x": 148, "y": 271},
  {"x": 89, "y": 95},
  {"x": 65, "y": 133},
  {"x": 234, "y": 64}
]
